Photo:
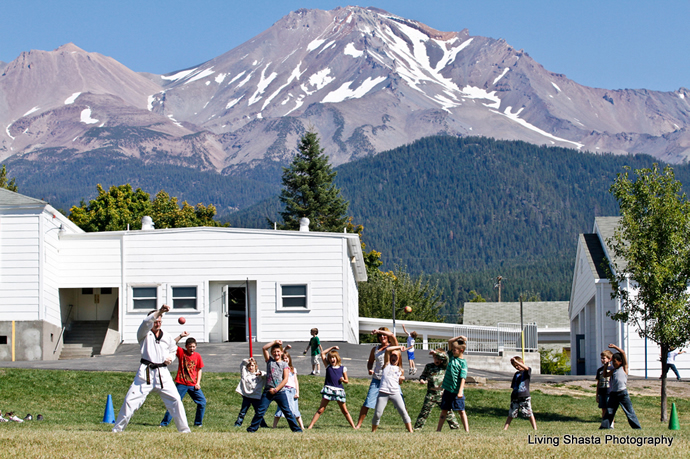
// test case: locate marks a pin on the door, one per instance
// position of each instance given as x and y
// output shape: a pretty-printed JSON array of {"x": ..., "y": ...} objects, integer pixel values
[
  {"x": 580, "y": 354},
  {"x": 235, "y": 299}
]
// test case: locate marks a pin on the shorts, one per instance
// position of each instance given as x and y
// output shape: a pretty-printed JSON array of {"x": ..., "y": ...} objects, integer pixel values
[
  {"x": 315, "y": 359},
  {"x": 410, "y": 355},
  {"x": 521, "y": 406},
  {"x": 373, "y": 394},
  {"x": 451, "y": 402},
  {"x": 334, "y": 394},
  {"x": 603, "y": 393}
]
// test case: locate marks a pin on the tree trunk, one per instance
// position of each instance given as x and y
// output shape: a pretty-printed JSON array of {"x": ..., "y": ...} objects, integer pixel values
[{"x": 664, "y": 373}]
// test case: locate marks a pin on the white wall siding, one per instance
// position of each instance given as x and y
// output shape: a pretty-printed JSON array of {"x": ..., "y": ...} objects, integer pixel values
[
  {"x": 19, "y": 267},
  {"x": 90, "y": 261},
  {"x": 51, "y": 269}
]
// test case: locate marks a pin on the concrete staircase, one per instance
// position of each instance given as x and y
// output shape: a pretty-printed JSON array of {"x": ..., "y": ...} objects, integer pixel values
[{"x": 84, "y": 339}]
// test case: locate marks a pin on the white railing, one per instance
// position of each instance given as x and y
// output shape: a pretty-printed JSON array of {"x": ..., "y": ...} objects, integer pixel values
[{"x": 490, "y": 340}]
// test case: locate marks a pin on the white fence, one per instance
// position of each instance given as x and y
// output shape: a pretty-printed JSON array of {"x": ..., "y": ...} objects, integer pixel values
[{"x": 489, "y": 340}]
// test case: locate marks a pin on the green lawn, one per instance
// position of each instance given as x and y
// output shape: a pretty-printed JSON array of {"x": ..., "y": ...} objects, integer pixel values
[{"x": 72, "y": 403}]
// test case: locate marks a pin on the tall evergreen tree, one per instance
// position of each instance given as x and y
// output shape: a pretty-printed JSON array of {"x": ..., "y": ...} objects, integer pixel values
[{"x": 309, "y": 191}]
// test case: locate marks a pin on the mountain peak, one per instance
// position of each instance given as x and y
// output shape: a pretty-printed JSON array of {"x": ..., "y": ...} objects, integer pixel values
[{"x": 69, "y": 48}]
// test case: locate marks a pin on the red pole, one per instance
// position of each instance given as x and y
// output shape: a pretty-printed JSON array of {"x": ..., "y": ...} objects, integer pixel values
[{"x": 251, "y": 353}]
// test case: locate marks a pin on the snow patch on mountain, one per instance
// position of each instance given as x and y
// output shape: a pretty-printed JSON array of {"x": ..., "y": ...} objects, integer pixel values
[
  {"x": 315, "y": 45},
  {"x": 233, "y": 102},
  {"x": 203, "y": 74},
  {"x": 350, "y": 50},
  {"x": 220, "y": 77},
  {"x": 556, "y": 86},
  {"x": 86, "y": 117},
  {"x": 237, "y": 77},
  {"x": 472, "y": 92},
  {"x": 516, "y": 117},
  {"x": 35, "y": 109},
  {"x": 72, "y": 98},
  {"x": 178, "y": 75},
  {"x": 263, "y": 84},
  {"x": 344, "y": 92},
  {"x": 505, "y": 70},
  {"x": 321, "y": 78}
]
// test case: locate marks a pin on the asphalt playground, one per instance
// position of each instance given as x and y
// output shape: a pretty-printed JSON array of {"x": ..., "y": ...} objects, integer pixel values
[{"x": 226, "y": 357}]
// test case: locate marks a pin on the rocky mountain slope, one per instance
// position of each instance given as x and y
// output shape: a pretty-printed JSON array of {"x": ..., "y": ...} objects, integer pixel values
[{"x": 365, "y": 79}]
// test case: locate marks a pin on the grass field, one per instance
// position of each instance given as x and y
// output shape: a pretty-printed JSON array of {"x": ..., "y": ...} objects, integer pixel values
[{"x": 73, "y": 402}]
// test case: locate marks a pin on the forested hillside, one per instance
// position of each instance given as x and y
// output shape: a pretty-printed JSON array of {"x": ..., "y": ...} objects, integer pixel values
[
  {"x": 465, "y": 210},
  {"x": 64, "y": 183}
]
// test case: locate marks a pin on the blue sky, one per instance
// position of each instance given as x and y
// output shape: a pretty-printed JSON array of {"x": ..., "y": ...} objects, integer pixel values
[{"x": 609, "y": 44}]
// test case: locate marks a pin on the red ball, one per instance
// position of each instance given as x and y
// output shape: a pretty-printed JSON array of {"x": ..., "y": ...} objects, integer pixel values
[
  {"x": 181, "y": 320},
  {"x": 408, "y": 309}
]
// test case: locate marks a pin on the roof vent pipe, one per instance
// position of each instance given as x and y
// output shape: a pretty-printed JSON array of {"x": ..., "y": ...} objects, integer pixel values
[
  {"x": 304, "y": 224},
  {"x": 147, "y": 223}
]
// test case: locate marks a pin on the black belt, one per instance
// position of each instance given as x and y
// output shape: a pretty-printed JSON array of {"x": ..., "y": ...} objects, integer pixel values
[{"x": 152, "y": 366}]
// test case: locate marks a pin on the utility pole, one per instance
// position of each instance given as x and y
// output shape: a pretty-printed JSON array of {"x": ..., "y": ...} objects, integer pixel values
[{"x": 499, "y": 279}]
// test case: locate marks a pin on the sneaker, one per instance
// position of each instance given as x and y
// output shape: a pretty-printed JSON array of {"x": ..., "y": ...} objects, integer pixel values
[
  {"x": 3, "y": 419},
  {"x": 39, "y": 417},
  {"x": 28, "y": 417},
  {"x": 15, "y": 418},
  {"x": 198, "y": 425}
]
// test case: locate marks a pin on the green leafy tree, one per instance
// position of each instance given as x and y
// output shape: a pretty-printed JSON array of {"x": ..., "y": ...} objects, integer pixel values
[
  {"x": 120, "y": 206},
  {"x": 554, "y": 363},
  {"x": 651, "y": 248},
  {"x": 166, "y": 213},
  {"x": 309, "y": 191},
  {"x": 376, "y": 297},
  {"x": 476, "y": 297},
  {"x": 7, "y": 184}
]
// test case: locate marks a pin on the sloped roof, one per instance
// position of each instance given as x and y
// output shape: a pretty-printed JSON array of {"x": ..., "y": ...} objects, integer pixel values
[
  {"x": 605, "y": 227},
  {"x": 594, "y": 252},
  {"x": 10, "y": 198},
  {"x": 547, "y": 314}
]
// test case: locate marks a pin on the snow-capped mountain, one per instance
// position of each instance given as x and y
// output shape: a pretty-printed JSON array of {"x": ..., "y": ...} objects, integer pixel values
[{"x": 365, "y": 79}]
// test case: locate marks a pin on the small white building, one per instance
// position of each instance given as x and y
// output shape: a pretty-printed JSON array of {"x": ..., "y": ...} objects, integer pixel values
[
  {"x": 590, "y": 300},
  {"x": 54, "y": 275}
]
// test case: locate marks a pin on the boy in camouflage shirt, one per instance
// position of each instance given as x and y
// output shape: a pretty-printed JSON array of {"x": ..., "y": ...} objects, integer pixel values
[{"x": 432, "y": 376}]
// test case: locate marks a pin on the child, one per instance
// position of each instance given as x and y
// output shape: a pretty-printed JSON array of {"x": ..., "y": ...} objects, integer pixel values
[
  {"x": 671, "y": 363},
  {"x": 520, "y": 401},
  {"x": 375, "y": 367},
  {"x": 316, "y": 350},
  {"x": 433, "y": 376},
  {"x": 188, "y": 379},
  {"x": 336, "y": 376},
  {"x": 250, "y": 388},
  {"x": 603, "y": 382},
  {"x": 618, "y": 391},
  {"x": 411, "y": 337},
  {"x": 277, "y": 374},
  {"x": 453, "y": 398},
  {"x": 292, "y": 391},
  {"x": 391, "y": 377}
]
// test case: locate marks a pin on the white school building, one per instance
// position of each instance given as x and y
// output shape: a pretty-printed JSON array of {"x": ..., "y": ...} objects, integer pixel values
[
  {"x": 591, "y": 330},
  {"x": 91, "y": 291}
]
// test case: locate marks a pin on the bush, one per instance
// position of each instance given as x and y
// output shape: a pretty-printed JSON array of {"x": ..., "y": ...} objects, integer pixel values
[{"x": 554, "y": 363}]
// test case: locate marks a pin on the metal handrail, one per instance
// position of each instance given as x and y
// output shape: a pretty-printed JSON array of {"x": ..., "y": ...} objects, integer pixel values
[{"x": 64, "y": 326}]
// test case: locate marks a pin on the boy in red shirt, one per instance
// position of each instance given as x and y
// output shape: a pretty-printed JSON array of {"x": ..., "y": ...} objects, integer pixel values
[{"x": 188, "y": 379}]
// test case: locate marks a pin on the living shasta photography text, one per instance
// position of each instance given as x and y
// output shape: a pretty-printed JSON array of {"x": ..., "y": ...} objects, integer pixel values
[{"x": 608, "y": 439}]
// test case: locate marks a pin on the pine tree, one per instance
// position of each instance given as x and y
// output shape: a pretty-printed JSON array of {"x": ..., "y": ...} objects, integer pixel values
[
  {"x": 309, "y": 191},
  {"x": 7, "y": 184}
]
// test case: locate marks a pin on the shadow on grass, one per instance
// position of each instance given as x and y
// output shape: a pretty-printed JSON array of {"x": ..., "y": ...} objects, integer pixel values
[{"x": 539, "y": 416}]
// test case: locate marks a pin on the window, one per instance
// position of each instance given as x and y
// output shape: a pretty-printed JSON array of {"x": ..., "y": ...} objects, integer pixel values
[
  {"x": 184, "y": 297},
  {"x": 87, "y": 291},
  {"x": 293, "y": 296},
  {"x": 106, "y": 291},
  {"x": 145, "y": 298}
]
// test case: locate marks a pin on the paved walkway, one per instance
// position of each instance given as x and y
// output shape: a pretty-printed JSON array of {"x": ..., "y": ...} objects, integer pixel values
[{"x": 226, "y": 357}]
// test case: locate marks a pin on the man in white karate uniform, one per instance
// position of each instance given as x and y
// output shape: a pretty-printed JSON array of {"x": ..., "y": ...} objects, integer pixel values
[{"x": 157, "y": 351}]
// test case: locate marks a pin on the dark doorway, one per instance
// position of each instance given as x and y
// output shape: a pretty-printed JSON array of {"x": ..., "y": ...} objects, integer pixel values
[
  {"x": 237, "y": 314},
  {"x": 580, "y": 354}
]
